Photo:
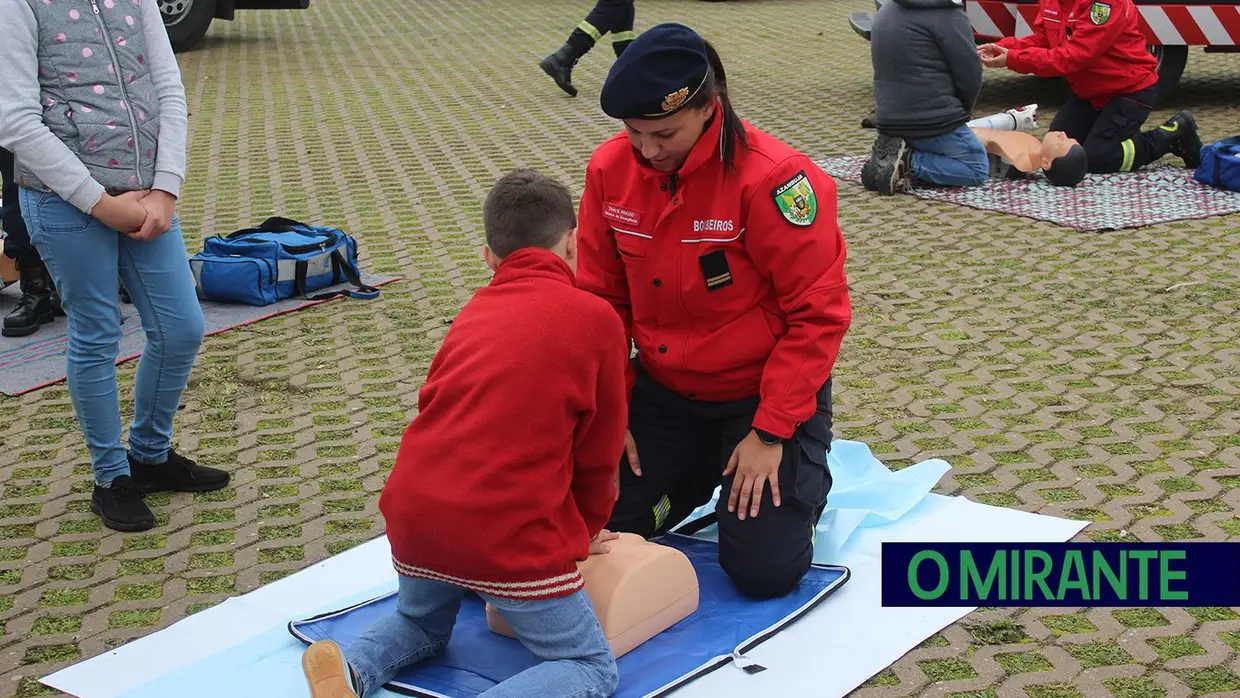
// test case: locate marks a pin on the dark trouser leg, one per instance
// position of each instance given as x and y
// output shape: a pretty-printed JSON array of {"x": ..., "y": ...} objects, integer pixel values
[
  {"x": 674, "y": 479},
  {"x": 1075, "y": 118},
  {"x": 39, "y": 303},
  {"x": 16, "y": 236},
  {"x": 1116, "y": 144},
  {"x": 622, "y": 31},
  {"x": 607, "y": 16},
  {"x": 767, "y": 555}
]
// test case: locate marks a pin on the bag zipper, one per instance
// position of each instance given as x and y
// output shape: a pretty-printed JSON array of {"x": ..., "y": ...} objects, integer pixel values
[
  {"x": 120, "y": 82},
  {"x": 300, "y": 249}
]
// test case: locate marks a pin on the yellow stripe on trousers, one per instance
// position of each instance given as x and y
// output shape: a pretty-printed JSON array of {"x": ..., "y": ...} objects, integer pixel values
[
  {"x": 590, "y": 29},
  {"x": 1130, "y": 155}
]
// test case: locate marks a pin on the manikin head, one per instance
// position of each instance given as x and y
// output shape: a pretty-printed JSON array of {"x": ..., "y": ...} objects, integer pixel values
[
  {"x": 527, "y": 209},
  {"x": 1063, "y": 160},
  {"x": 668, "y": 87}
]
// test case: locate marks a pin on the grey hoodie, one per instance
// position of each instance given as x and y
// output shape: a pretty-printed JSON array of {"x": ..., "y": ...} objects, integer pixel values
[
  {"x": 927, "y": 75},
  {"x": 91, "y": 98}
]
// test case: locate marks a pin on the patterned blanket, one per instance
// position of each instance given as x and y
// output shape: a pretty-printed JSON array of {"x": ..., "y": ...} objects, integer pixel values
[{"x": 1159, "y": 194}]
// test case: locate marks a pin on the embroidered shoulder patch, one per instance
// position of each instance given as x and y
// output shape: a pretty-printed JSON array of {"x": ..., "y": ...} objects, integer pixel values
[
  {"x": 1099, "y": 13},
  {"x": 796, "y": 200}
]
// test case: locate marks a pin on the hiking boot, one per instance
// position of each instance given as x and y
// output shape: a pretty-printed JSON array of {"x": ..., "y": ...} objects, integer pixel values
[
  {"x": 121, "y": 507},
  {"x": 328, "y": 673},
  {"x": 177, "y": 474},
  {"x": 39, "y": 303},
  {"x": 559, "y": 66},
  {"x": 890, "y": 164},
  {"x": 1183, "y": 138}
]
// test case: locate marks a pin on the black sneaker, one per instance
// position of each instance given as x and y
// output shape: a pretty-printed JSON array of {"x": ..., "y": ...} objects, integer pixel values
[
  {"x": 177, "y": 474},
  {"x": 891, "y": 161},
  {"x": 121, "y": 506},
  {"x": 1185, "y": 142}
]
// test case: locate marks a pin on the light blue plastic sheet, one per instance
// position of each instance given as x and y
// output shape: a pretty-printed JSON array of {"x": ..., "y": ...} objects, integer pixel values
[{"x": 864, "y": 493}]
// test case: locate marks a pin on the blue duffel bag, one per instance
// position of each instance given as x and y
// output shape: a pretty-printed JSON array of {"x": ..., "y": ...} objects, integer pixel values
[
  {"x": 277, "y": 260},
  {"x": 1220, "y": 164}
]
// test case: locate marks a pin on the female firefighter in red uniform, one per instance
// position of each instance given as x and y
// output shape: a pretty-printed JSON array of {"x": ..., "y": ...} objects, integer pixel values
[
  {"x": 1097, "y": 45},
  {"x": 719, "y": 248}
]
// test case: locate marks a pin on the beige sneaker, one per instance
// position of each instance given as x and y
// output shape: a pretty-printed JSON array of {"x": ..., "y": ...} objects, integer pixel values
[{"x": 327, "y": 672}]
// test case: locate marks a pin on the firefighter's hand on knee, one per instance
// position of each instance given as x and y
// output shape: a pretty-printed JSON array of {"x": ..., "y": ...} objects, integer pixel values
[{"x": 756, "y": 465}]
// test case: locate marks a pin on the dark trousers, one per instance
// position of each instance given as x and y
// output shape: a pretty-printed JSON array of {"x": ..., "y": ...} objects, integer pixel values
[
  {"x": 684, "y": 446},
  {"x": 1112, "y": 138},
  {"x": 613, "y": 17},
  {"x": 16, "y": 237}
]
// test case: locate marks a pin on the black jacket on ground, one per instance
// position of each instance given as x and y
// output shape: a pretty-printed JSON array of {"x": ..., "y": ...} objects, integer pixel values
[{"x": 927, "y": 75}]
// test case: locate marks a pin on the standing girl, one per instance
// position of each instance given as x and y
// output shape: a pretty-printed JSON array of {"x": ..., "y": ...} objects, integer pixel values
[{"x": 93, "y": 110}]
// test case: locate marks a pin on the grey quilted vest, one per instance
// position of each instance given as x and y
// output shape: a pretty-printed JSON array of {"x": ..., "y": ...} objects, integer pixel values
[{"x": 96, "y": 90}]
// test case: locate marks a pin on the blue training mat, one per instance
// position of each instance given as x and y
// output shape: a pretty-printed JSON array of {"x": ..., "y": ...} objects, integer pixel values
[{"x": 725, "y": 626}]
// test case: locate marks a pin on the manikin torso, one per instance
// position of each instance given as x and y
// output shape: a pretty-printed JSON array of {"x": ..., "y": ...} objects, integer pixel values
[
  {"x": 1022, "y": 150},
  {"x": 639, "y": 589}
]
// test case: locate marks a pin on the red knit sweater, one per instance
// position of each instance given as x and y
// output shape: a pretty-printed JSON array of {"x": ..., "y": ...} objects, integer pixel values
[{"x": 507, "y": 471}]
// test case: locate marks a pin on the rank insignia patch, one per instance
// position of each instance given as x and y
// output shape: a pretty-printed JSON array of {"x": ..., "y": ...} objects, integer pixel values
[
  {"x": 715, "y": 270},
  {"x": 1099, "y": 13},
  {"x": 796, "y": 200}
]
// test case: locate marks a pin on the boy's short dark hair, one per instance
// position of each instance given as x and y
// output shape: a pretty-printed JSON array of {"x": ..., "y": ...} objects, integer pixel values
[{"x": 527, "y": 209}]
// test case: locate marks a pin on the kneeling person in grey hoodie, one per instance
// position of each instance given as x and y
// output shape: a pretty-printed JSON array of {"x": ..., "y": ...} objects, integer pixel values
[{"x": 927, "y": 77}]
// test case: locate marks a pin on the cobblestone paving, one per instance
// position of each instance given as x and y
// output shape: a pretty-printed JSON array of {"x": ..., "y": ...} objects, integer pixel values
[{"x": 1094, "y": 376}]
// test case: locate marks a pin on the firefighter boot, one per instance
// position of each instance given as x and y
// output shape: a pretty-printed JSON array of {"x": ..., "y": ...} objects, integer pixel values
[
  {"x": 559, "y": 66},
  {"x": 39, "y": 302},
  {"x": 1182, "y": 138}
]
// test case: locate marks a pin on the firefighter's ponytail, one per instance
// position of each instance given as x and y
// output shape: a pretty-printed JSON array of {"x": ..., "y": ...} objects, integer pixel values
[{"x": 733, "y": 130}]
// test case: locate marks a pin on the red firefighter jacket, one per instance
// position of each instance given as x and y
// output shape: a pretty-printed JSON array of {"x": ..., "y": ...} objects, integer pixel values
[
  {"x": 1097, "y": 45},
  {"x": 730, "y": 283}
]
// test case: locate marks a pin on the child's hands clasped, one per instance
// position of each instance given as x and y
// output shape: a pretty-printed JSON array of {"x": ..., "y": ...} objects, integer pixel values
[
  {"x": 159, "y": 206},
  {"x": 142, "y": 215},
  {"x": 123, "y": 213},
  {"x": 598, "y": 544}
]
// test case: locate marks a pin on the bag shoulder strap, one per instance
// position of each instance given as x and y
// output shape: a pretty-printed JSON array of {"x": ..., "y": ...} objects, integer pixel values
[{"x": 340, "y": 267}]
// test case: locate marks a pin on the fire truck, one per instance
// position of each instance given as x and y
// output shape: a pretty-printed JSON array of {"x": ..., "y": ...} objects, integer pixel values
[{"x": 1170, "y": 28}]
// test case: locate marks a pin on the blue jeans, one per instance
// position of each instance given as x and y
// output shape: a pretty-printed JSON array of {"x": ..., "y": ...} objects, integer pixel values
[
  {"x": 85, "y": 258},
  {"x": 954, "y": 159},
  {"x": 563, "y": 632}
]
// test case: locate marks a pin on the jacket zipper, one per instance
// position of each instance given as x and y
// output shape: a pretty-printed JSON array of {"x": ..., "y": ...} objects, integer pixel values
[{"x": 120, "y": 82}]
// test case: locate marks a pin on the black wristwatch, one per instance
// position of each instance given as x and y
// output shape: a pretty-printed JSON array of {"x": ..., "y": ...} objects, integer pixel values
[{"x": 767, "y": 437}]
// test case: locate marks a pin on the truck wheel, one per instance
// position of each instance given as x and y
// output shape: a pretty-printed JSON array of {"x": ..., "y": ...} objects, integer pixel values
[
  {"x": 186, "y": 21},
  {"x": 1171, "y": 62}
]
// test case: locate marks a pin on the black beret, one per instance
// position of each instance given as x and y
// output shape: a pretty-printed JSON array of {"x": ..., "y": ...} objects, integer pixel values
[{"x": 657, "y": 75}]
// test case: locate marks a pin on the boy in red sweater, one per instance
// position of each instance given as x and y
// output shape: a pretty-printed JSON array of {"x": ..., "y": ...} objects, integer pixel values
[
  {"x": 506, "y": 477},
  {"x": 1098, "y": 46}
]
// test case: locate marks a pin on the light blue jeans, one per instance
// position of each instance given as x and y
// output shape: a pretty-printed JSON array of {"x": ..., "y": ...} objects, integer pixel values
[
  {"x": 563, "y": 632},
  {"x": 954, "y": 159},
  {"x": 85, "y": 258}
]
